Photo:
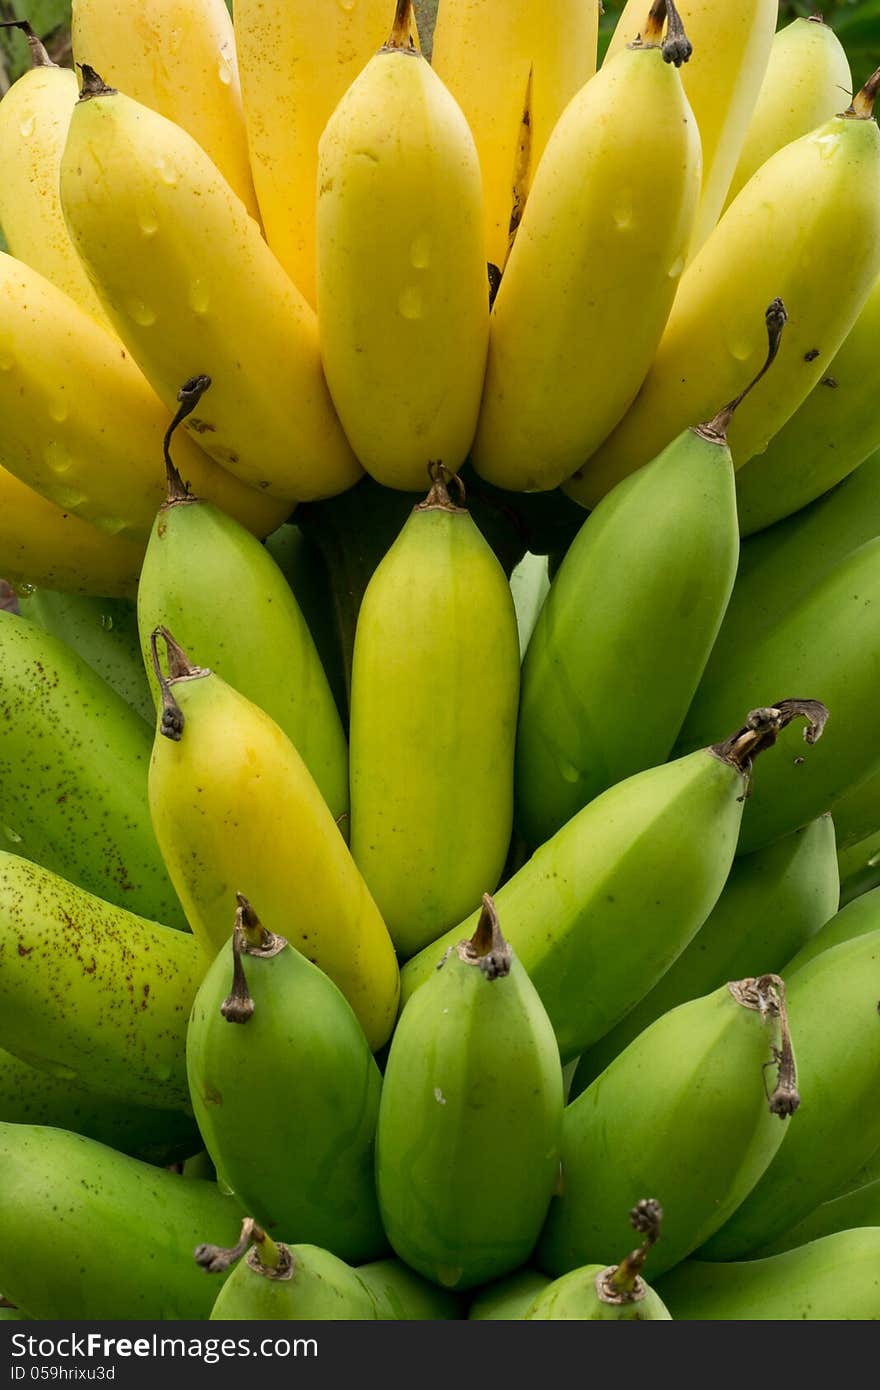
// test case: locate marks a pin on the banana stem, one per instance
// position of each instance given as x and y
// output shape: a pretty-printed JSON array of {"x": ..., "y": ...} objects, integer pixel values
[
  {"x": 763, "y": 727},
  {"x": 216, "y": 1259},
  {"x": 766, "y": 994},
  {"x": 862, "y": 106},
  {"x": 438, "y": 498},
  {"x": 179, "y": 668},
  {"x": 39, "y": 57},
  {"x": 676, "y": 48},
  {"x": 715, "y": 430},
  {"x": 275, "y": 1261},
  {"x": 487, "y": 947},
  {"x": 189, "y": 395},
  {"x": 238, "y": 1006},
  {"x": 93, "y": 84},
  {"x": 623, "y": 1283},
  {"x": 400, "y": 40}
]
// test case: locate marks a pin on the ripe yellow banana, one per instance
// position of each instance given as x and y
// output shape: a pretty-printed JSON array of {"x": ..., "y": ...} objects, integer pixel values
[
  {"x": 501, "y": 60},
  {"x": 34, "y": 119},
  {"x": 297, "y": 59},
  {"x": 177, "y": 57},
  {"x": 807, "y": 81},
  {"x": 732, "y": 44},
  {"x": 192, "y": 288},
  {"x": 402, "y": 295},
  {"x": 594, "y": 267},
  {"x": 83, "y": 427},
  {"x": 807, "y": 228}
]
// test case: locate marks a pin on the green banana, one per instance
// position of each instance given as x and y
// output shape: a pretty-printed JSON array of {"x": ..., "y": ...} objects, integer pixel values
[
  {"x": 683, "y": 1110},
  {"x": 436, "y": 666},
  {"x": 529, "y": 585},
  {"x": 92, "y": 992},
  {"x": 401, "y": 1295},
  {"x": 469, "y": 1118},
  {"x": 603, "y": 909},
  {"x": 859, "y": 869},
  {"x": 34, "y": 1096},
  {"x": 73, "y": 774},
  {"x": 91, "y": 1233},
  {"x": 844, "y": 667},
  {"x": 861, "y": 1207},
  {"x": 657, "y": 559},
  {"x": 832, "y": 1005},
  {"x": 507, "y": 1299},
  {"x": 200, "y": 561},
  {"x": 772, "y": 902},
  {"x": 857, "y": 813},
  {"x": 858, "y": 918},
  {"x": 833, "y": 1279},
  {"x": 10, "y": 1314},
  {"x": 286, "y": 1092},
  {"x": 235, "y": 810},
  {"x": 868, "y": 1173},
  {"x": 612, "y": 1293}
]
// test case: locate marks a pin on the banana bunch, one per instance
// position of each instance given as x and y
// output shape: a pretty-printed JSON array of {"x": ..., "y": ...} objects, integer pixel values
[{"x": 439, "y": 764}]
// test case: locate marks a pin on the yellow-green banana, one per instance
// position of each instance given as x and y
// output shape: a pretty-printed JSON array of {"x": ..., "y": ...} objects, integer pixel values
[
  {"x": 471, "y": 1104},
  {"x": 192, "y": 287},
  {"x": 178, "y": 58},
  {"x": 607, "y": 1293},
  {"x": 91, "y": 991},
  {"x": 435, "y": 685},
  {"x": 784, "y": 235},
  {"x": 402, "y": 295},
  {"x": 236, "y": 811},
  {"x": 684, "y": 1111},
  {"x": 594, "y": 268},
  {"x": 510, "y": 64}
]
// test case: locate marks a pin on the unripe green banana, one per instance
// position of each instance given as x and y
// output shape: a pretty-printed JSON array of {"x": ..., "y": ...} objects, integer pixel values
[
  {"x": 857, "y": 813},
  {"x": 90, "y": 1233},
  {"x": 33, "y": 1095},
  {"x": 401, "y": 1295},
  {"x": 200, "y": 561},
  {"x": 612, "y": 1293},
  {"x": 684, "y": 1111},
  {"x": 281, "y": 1282},
  {"x": 772, "y": 902},
  {"x": 643, "y": 864},
  {"x": 529, "y": 585},
  {"x": 92, "y": 992},
  {"x": 73, "y": 774},
  {"x": 833, "y": 1279},
  {"x": 507, "y": 1299},
  {"x": 103, "y": 631},
  {"x": 844, "y": 667},
  {"x": 236, "y": 810},
  {"x": 858, "y": 918},
  {"x": 436, "y": 667},
  {"x": 833, "y": 1006},
  {"x": 859, "y": 868},
  {"x": 658, "y": 559},
  {"x": 855, "y": 1209},
  {"x": 469, "y": 1117},
  {"x": 286, "y": 1092}
]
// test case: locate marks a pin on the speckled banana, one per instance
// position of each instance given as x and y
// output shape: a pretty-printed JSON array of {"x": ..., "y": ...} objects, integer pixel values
[
  {"x": 73, "y": 774},
  {"x": 436, "y": 666},
  {"x": 594, "y": 267},
  {"x": 286, "y": 1092},
  {"x": 645, "y": 862},
  {"x": 90, "y": 1233},
  {"x": 178, "y": 58},
  {"x": 608, "y": 1293},
  {"x": 502, "y": 59},
  {"x": 472, "y": 1095},
  {"x": 683, "y": 1110},
  {"x": 402, "y": 295},
  {"x": 784, "y": 235},
  {"x": 236, "y": 810},
  {"x": 192, "y": 287},
  {"x": 200, "y": 561}
]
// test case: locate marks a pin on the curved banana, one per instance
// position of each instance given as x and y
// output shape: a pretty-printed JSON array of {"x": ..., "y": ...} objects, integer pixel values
[
  {"x": 296, "y": 61},
  {"x": 89, "y": 1233},
  {"x": 235, "y": 810},
  {"x": 178, "y": 58},
  {"x": 644, "y": 863},
  {"x": 861, "y": 1207},
  {"x": 594, "y": 268},
  {"x": 435, "y": 685},
  {"x": 471, "y": 1097},
  {"x": 702, "y": 1064},
  {"x": 83, "y": 427},
  {"x": 73, "y": 774},
  {"x": 504, "y": 60},
  {"x": 784, "y": 235},
  {"x": 191, "y": 286},
  {"x": 858, "y": 918},
  {"x": 402, "y": 297},
  {"x": 612, "y": 1293},
  {"x": 103, "y": 631}
]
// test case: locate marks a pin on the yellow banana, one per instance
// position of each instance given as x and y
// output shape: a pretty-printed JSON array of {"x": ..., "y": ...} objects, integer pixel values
[
  {"x": 807, "y": 81},
  {"x": 807, "y": 228},
  {"x": 594, "y": 268},
  {"x": 732, "y": 41},
  {"x": 502, "y": 59},
  {"x": 34, "y": 118},
  {"x": 83, "y": 427},
  {"x": 297, "y": 59},
  {"x": 177, "y": 57},
  {"x": 192, "y": 288},
  {"x": 402, "y": 295},
  {"x": 43, "y": 546}
]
